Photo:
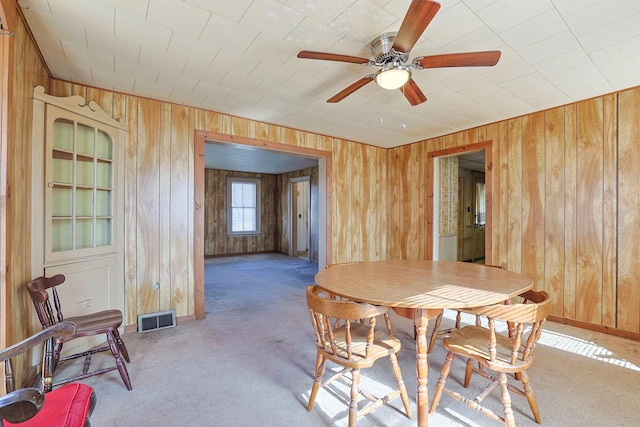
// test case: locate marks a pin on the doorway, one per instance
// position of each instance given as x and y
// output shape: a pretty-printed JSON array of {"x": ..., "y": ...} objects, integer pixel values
[
  {"x": 323, "y": 159},
  {"x": 300, "y": 203},
  {"x": 462, "y": 229}
]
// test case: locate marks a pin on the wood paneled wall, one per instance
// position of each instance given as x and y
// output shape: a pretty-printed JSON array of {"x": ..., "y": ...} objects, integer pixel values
[
  {"x": 274, "y": 214},
  {"x": 565, "y": 204},
  {"x": 216, "y": 240}
]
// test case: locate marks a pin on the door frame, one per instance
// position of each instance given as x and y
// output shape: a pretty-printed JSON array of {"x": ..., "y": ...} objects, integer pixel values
[
  {"x": 433, "y": 219},
  {"x": 324, "y": 199}
]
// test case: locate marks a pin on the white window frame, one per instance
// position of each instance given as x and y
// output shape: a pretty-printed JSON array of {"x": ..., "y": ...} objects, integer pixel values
[{"x": 230, "y": 181}]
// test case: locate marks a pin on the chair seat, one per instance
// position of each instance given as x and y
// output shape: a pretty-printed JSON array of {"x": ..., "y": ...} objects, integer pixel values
[
  {"x": 471, "y": 341},
  {"x": 96, "y": 323},
  {"x": 384, "y": 345},
  {"x": 67, "y": 406}
]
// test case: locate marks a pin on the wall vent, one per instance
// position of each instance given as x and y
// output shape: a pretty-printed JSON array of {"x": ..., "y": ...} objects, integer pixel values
[{"x": 153, "y": 321}]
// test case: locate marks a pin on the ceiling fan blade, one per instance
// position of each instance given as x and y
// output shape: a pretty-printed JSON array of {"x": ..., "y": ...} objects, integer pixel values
[
  {"x": 419, "y": 15},
  {"x": 350, "y": 89},
  {"x": 467, "y": 59},
  {"x": 308, "y": 54},
  {"x": 413, "y": 93}
]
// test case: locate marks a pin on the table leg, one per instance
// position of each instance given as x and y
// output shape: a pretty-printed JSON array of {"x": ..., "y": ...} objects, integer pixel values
[{"x": 421, "y": 321}]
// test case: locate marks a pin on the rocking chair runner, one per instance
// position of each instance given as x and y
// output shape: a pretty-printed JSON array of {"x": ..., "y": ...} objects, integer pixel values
[
  {"x": 103, "y": 322},
  {"x": 355, "y": 344}
]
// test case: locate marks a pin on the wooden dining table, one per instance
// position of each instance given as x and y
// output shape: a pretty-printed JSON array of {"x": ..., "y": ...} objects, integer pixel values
[{"x": 422, "y": 285}]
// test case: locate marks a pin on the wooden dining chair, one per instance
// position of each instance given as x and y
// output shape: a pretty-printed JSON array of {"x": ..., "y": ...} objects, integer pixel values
[
  {"x": 355, "y": 345},
  {"x": 67, "y": 406},
  {"x": 103, "y": 322},
  {"x": 503, "y": 353}
]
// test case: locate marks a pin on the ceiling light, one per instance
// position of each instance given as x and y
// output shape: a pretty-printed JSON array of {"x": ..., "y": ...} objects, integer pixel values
[{"x": 393, "y": 77}]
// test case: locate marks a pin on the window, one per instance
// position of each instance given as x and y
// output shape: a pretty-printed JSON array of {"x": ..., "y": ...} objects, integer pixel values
[
  {"x": 243, "y": 209},
  {"x": 481, "y": 204}
]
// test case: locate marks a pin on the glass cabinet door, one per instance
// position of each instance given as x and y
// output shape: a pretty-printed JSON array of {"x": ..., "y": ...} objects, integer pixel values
[{"x": 82, "y": 188}]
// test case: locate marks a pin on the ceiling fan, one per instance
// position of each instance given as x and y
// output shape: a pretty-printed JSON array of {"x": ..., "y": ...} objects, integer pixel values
[{"x": 391, "y": 53}]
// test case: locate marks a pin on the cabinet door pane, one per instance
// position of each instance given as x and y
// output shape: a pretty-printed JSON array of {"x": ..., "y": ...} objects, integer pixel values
[
  {"x": 103, "y": 232},
  {"x": 85, "y": 140},
  {"x": 62, "y": 202},
  {"x": 63, "y": 134},
  {"x": 103, "y": 203},
  {"x": 103, "y": 175},
  {"x": 84, "y": 233},
  {"x": 84, "y": 171},
  {"x": 104, "y": 146},
  {"x": 61, "y": 235},
  {"x": 84, "y": 202}
]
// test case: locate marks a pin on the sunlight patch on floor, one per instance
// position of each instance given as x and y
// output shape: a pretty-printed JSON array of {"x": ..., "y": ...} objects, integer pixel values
[{"x": 583, "y": 348}]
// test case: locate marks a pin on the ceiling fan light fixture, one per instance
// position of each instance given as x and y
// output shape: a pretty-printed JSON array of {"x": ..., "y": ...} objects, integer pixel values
[{"x": 394, "y": 77}]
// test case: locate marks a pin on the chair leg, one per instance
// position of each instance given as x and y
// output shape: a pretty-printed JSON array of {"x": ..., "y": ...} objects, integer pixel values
[
  {"x": 355, "y": 393},
  {"x": 437, "y": 394},
  {"x": 320, "y": 366},
  {"x": 467, "y": 373},
  {"x": 401, "y": 386},
  {"x": 123, "y": 349},
  {"x": 509, "y": 419},
  {"x": 434, "y": 333},
  {"x": 531, "y": 398},
  {"x": 122, "y": 368}
]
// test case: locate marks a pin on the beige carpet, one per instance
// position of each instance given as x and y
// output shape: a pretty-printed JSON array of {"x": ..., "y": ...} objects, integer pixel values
[{"x": 251, "y": 362}]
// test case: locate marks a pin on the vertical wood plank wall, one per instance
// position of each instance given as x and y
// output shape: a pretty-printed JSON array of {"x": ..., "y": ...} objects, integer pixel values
[
  {"x": 565, "y": 200},
  {"x": 565, "y": 204},
  {"x": 274, "y": 214}
]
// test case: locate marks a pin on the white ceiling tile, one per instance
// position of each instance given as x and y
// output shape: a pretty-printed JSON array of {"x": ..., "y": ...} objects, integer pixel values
[
  {"x": 549, "y": 47},
  {"x": 272, "y": 18},
  {"x": 237, "y": 62},
  {"x": 601, "y": 14},
  {"x": 323, "y": 11},
  {"x": 442, "y": 33},
  {"x": 135, "y": 29},
  {"x": 587, "y": 87},
  {"x": 535, "y": 30},
  {"x": 152, "y": 90},
  {"x": 212, "y": 89},
  {"x": 524, "y": 82},
  {"x": 311, "y": 35},
  {"x": 91, "y": 58},
  {"x": 232, "y": 10},
  {"x": 503, "y": 15},
  {"x": 477, "y": 5},
  {"x": 137, "y": 8},
  {"x": 570, "y": 74},
  {"x": 69, "y": 70},
  {"x": 49, "y": 45},
  {"x": 508, "y": 72},
  {"x": 625, "y": 50},
  {"x": 565, "y": 61},
  {"x": 112, "y": 81},
  {"x": 612, "y": 34},
  {"x": 479, "y": 39},
  {"x": 111, "y": 45},
  {"x": 568, "y": 7},
  {"x": 463, "y": 80},
  {"x": 90, "y": 14},
  {"x": 188, "y": 47},
  {"x": 270, "y": 74},
  {"x": 244, "y": 97},
  {"x": 55, "y": 28},
  {"x": 134, "y": 68},
  {"x": 206, "y": 72},
  {"x": 223, "y": 32},
  {"x": 177, "y": 81},
  {"x": 363, "y": 21},
  {"x": 215, "y": 103},
  {"x": 157, "y": 59},
  {"x": 178, "y": 15},
  {"x": 239, "y": 81},
  {"x": 267, "y": 48}
]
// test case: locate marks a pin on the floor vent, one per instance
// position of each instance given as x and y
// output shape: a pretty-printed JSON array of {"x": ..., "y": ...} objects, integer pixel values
[{"x": 153, "y": 321}]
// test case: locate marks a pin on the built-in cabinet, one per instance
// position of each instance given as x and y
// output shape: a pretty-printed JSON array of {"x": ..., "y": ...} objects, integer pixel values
[{"x": 77, "y": 202}]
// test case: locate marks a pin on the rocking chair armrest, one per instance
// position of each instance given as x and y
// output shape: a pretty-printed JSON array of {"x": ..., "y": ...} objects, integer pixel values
[
  {"x": 21, "y": 405},
  {"x": 62, "y": 329}
]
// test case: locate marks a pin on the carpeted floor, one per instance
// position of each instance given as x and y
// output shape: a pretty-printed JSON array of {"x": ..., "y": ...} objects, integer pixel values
[{"x": 251, "y": 362}]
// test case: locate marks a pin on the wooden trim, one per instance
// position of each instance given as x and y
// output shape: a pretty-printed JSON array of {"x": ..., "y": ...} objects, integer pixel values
[
  {"x": 488, "y": 169},
  {"x": 596, "y": 328},
  {"x": 198, "y": 232}
]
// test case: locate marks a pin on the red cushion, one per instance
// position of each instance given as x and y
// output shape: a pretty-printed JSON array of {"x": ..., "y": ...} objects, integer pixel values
[{"x": 67, "y": 406}]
